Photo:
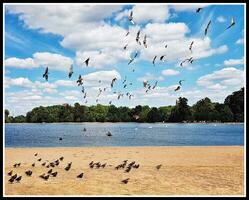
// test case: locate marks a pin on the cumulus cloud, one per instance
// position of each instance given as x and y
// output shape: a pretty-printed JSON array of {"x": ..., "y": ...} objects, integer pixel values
[
  {"x": 170, "y": 72},
  {"x": 149, "y": 76},
  {"x": 240, "y": 41},
  {"x": 221, "y": 19},
  {"x": 223, "y": 78},
  {"x": 41, "y": 59},
  {"x": 189, "y": 8},
  {"x": 232, "y": 62}
]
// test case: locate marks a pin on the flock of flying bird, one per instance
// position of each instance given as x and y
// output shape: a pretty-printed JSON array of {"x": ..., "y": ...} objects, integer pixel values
[
  {"x": 52, "y": 167},
  {"x": 146, "y": 84}
]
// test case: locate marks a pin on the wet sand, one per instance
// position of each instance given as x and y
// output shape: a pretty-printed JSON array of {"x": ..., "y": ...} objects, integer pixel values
[{"x": 216, "y": 170}]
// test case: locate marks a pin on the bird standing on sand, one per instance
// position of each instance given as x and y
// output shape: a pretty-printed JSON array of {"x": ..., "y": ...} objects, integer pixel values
[
  {"x": 18, "y": 179},
  {"x": 80, "y": 175},
  {"x": 54, "y": 174},
  {"x": 125, "y": 181},
  {"x": 10, "y": 173},
  {"x": 158, "y": 167}
]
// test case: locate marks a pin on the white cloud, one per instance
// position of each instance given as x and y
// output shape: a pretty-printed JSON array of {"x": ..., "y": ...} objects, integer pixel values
[
  {"x": 221, "y": 19},
  {"x": 41, "y": 59},
  {"x": 149, "y": 76},
  {"x": 21, "y": 82},
  {"x": 232, "y": 62},
  {"x": 170, "y": 72},
  {"x": 240, "y": 41},
  {"x": 190, "y": 8},
  {"x": 27, "y": 63},
  {"x": 220, "y": 79}
]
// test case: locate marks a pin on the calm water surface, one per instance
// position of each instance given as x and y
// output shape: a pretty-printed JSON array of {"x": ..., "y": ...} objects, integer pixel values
[{"x": 124, "y": 134}]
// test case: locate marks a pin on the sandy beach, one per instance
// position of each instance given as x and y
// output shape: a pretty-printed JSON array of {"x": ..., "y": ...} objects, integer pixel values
[{"x": 217, "y": 170}]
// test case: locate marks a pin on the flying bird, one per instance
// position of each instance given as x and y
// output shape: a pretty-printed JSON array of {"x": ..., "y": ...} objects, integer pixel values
[
  {"x": 87, "y": 61},
  {"x": 198, "y": 10},
  {"x": 127, "y": 33},
  {"x": 145, "y": 83},
  {"x": 70, "y": 71},
  {"x": 144, "y": 41},
  {"x": 131, "y": 17},
  {"x": 180, "y": 82},
  {"x": 161, "y": 58},
  {"x": 155, "y": 85},
  {"x": 154, "y": 59},
  {"x": 130, "y": 61},
  {"x": 137, "y": 37},
  {"x": 46, "y": 74},
  {"x": 178, "y": 88},
  {"x": 113, "y": 80},
  {"x": 191, "y": 45},
  {"x": 79, "y": 81},
  {"x": 206, "y": 29},
  {"x": 232, "y": 23},
  {"x": 166, "y": 46},
  {"x": 125, "y": 47}
]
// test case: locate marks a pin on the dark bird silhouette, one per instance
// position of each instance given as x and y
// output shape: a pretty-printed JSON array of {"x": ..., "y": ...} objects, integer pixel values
[
  {"x": 50, "y": 171},
  {"x": 36, "y": 154},
  {"x": 145, "y": 83},
  {"x": 54, "y": 174},
  {"x": 46, "y": 74},
  {"x": 43, "y": 164},
  {"x": 39, "y": 159},
  {"x": 125, "y": 181},
  {"x": 198, "y": 10},
  {"x": 130, "y": 61},
  {"x": 136, "y": 166},
  {"x": 113, "y": 80},
  {"x": 79, "y": 81},
  {"x": 46, "y": 177},
  {"x": 15, "y": 165},
  {"x": 137, "y": 37},
  {"x": 125, "y": 47},
  {"x": 87, "y": 61},
  {"x": 191, "y": 45},
  {"x": 18, "y": 179},
  {"x": 103, "y": 165},
  {"x": 232, "y": 23},
  {"x": 206, "y": 29},
  {"x": 178, "y": 88},
  {"x": 154, "y": 59},
  {"x": 18, "y": 164},
  {"x": 33, "y": 164},
  {"x": 180, "y": 82},
  {"x": 70, "y": 71},
  {"x": 80, "y": 175},
  {"x": 28, "y": 173},
  {"x": 158, "y": 166},
  {"x": 11, "y": 180},
  {"x": 61, "y": 158},
  {"x": 161, "y": 58},
  {"x": 155, "y": 85},
  {"x": 131, "y": 17},
  {"x": 127, "y": 33},
  {"x": 68, "y": 166},
  {"x": 10, "y": 173},
  {"x": 14, "y": 176},
  {"x": 110, "y": 102},
  {"x": 166, "y": 46},
  {"x": 144, "y": 41}
]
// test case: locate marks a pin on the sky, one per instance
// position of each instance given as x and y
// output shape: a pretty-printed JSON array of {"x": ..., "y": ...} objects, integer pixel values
[{"x": 58, "y": 36}]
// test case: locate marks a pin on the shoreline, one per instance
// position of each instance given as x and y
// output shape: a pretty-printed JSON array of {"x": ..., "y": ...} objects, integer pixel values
[{"x": 186, "y": 170}]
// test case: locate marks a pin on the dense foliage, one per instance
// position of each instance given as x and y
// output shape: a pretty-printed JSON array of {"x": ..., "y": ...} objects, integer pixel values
[{"x": 204, "y": 110}]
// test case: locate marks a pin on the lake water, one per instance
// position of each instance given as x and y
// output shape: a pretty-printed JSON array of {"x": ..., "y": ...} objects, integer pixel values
[{"x": 124, "y": 134}]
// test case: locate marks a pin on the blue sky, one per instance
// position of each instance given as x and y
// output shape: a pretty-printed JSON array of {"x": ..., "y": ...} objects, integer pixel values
[{"x": 62, "y": 35}]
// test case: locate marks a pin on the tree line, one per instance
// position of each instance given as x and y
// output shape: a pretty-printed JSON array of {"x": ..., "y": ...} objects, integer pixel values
[{"x": 232, "y": 110}]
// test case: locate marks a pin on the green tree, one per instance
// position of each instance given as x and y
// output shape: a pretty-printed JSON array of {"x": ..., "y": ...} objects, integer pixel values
[
  {"x": 235, "y": 101},
  {"x": 154, "y": 115},
  {"x": 7, "y": 119},
  {"x": 181, "y": 112}
]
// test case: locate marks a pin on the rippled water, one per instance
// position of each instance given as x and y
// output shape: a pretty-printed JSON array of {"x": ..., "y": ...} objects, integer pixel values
[{"x": 124, "y": 134}]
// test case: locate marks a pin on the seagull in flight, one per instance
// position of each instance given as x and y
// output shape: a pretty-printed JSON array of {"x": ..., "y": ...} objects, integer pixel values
[
  {"x": 206, "y": 29},
  {"x": 154, "y": 59},
  {"x": 131, "y": 17},
  {"x": 130, "y": 61},
  {"x": 178, "y": 88},
  {"x": 87, "y": 61},
  {"x": 128, "y": 32},
  {"x": 198, "y": 10},
  {"x": 79, "y": 81},
  {"x": 191, "y": 45},
  {"x": 137, "y": 37},
  {"x": 144, "y": 41},
  {"x": 125, "y": 47},
  {"x": 145, "y": 83},
  {"x": 155, "y": 85},
  {"x": 180, "y": 82},
  {"x": 161, "y": 58},
  {"x": 46, "y": 74},
  {"x": 70, "y": 71},
  {"x": 113, "y": 80},
  {"x": 232, "y": 23}
]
